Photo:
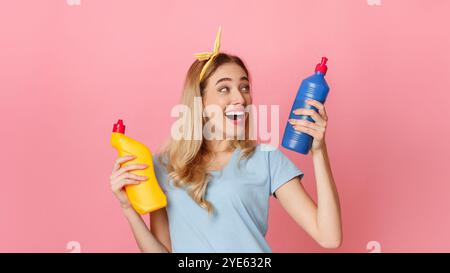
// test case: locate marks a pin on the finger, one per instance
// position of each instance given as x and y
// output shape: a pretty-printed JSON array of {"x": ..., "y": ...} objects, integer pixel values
[
  {"x": 306, "y": 123},
  {"x": 121, "y": 160},
  {"x": 314, "y": 133},
  {"x": 310, "y": 112},
  {"x": 128, "y": 175},
  {"x": 130, "y": 167},
  {"x": 116, "y": 183},
  {"x": 320, "y": 107},
  {"x": 122, "y": 183}
]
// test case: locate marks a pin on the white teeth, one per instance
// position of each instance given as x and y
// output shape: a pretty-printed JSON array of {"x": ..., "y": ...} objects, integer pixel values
[
  {"x": 231, "y": 113},
  {"x": 235, "y": 115}
]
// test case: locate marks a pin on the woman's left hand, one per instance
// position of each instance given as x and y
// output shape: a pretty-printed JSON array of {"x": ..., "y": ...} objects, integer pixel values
[{"x": 315, "y": 129}]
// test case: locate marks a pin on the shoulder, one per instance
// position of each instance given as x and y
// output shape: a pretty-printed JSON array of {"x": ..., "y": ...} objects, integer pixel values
[
  {"x": 159, "y": 164},
  {"x": 265, "y": 153},
  {"x": 160, "y": 170},
  {"x": 156, "y": 160},
  {"x": 271, "y": 154}
]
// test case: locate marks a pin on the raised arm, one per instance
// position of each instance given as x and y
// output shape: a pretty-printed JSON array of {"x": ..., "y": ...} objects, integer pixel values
[{"x": 321, "y": 221}]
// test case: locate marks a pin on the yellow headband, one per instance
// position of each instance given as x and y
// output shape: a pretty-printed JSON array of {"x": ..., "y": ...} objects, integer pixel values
[{"x": 209, "y": 55}]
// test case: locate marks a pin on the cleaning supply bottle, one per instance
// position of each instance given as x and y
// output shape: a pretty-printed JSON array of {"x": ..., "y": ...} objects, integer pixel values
[
  {"x": 146, "y": 196},
  {"x": 314, "y": 87}
]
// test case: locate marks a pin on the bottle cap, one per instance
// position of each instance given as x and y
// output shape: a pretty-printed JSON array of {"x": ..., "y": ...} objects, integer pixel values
[
  {"x": 322, "y": 67},
  {"x": 119, "y": 127}
]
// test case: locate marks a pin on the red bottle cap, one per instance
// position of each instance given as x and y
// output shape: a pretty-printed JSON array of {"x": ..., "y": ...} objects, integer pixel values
[
  {"x": 119, "y": 127},
  {"x": 322, "y": 67}
]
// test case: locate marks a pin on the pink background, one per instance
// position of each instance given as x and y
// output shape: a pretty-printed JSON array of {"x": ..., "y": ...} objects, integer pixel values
[{"x": 67, "y": 72}]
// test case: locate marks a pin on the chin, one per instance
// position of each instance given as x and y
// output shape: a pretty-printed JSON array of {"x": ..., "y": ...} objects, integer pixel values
[
  {"x": 238, "y": 134},
  {"x": 235, "y": 131}
]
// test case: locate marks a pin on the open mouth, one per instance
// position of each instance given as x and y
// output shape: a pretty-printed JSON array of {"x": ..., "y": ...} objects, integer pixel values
[{"x": 235, "y": 115}]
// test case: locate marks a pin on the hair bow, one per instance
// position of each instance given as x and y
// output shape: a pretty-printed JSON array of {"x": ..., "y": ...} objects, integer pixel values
[{"x": 202, "y": 56}]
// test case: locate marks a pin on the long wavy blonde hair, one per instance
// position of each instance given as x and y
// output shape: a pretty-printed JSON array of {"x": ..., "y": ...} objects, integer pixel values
[{"x": 186, "y": 159}]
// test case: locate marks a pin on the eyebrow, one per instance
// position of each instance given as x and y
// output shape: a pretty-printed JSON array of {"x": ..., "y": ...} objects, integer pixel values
[{"x": 229, "y": 79}]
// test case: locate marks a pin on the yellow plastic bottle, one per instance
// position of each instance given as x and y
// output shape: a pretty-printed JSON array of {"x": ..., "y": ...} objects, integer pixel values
[{"x": 146, "y": 196}]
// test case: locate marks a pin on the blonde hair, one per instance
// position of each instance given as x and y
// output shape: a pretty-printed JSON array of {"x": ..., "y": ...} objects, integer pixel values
[{"x": 185, "y": 159}]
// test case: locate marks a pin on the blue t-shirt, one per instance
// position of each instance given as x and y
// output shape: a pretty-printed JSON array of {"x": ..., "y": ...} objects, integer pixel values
[{"x": 240, "y": 197}]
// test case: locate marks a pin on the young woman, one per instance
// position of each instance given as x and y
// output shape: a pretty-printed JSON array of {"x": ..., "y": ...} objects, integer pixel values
[{"x": 218, "y": 189}]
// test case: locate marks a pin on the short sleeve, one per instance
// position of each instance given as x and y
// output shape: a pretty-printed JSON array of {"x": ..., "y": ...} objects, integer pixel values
[
  {"x": 281, "y": 170},
  {"x": 160, "y": 173}
]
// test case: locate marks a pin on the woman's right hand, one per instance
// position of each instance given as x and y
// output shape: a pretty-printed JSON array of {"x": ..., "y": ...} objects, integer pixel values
[{"x": 121, "y": 176}]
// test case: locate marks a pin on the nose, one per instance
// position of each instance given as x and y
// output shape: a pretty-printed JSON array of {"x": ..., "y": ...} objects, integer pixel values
[{"x": 237, "y": 98}]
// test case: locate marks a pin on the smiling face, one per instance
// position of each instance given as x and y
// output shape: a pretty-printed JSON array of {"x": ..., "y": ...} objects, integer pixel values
[{"x": 228, "y": 90}]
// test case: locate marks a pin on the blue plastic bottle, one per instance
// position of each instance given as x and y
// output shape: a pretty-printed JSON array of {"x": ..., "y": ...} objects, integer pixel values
[{"x": 314, "y": 87}]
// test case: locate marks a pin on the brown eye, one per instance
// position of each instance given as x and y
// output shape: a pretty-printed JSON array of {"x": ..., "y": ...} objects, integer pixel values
[
  {"x": 223, "y": 89},
  {"x": 245, "y": 88}
]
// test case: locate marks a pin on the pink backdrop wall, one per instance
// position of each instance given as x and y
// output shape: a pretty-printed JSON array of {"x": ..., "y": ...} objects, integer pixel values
[{"x": 68, "y": 71}]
